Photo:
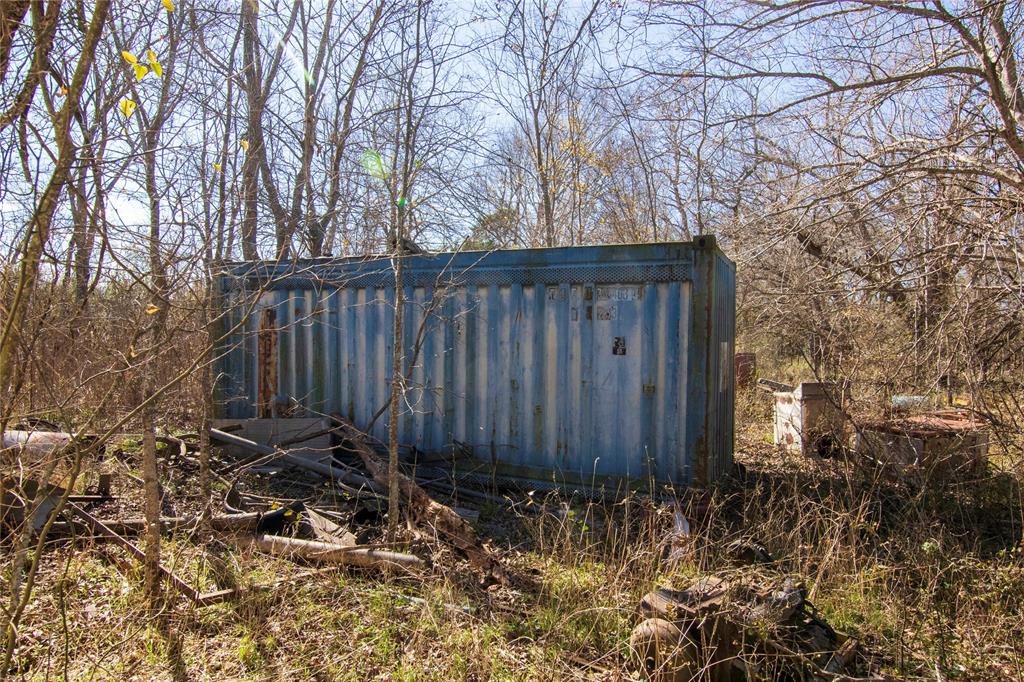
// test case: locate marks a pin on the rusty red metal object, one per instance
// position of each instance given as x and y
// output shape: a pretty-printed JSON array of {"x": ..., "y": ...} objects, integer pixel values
[
  {"x": 937, "y": 423},
  {"x": 267, "y": 344},
  {"x": 745, "y": 369}
]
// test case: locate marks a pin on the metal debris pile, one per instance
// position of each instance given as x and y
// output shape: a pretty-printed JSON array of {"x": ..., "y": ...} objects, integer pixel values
[{"x": 915, "y": 443}]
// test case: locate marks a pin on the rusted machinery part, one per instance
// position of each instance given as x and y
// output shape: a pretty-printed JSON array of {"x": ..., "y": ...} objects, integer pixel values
[{"x": 663, "y": 652}]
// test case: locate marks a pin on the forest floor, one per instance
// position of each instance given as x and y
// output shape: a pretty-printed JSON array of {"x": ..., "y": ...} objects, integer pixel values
[{"x": 930, "y": 582}]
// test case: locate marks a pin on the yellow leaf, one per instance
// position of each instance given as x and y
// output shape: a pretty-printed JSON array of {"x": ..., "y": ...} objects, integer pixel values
[
  {"x": 168, "y": 5},
  {"x": 152, "y": 309},
  {"x": 63, "y": 91},
  {"x": 154, "y": 63},
  {"x": 129, "y": 57},
  {"x": 140, "y": 71},
  {"x": 127, "y": 107},
  {"x": 216, "y": 166},
  {"x": 244, "y": 144}
]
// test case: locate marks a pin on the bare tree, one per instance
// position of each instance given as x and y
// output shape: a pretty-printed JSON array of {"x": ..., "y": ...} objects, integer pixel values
[
  {"x": 538, "y": 60},
  {"x": 869, "y": 173},
  {"x": 39, "y": 224}
]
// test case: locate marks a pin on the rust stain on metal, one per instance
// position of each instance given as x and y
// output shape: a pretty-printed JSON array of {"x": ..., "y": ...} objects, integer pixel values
[
  {"x": 940, "y": 444},
  {"x": 745, "y": 370},
  {"x": 622, "y": 356},
  {"x": 701, "y": 461},
  {"x": 267, "y": 349},
  {"x": 940, "y": 423}
]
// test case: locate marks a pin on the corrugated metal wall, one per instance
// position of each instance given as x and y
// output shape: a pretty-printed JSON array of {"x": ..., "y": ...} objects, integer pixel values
[{"x": 577, "y": 363}]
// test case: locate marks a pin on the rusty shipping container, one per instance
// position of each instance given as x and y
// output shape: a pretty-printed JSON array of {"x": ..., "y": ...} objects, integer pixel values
[{"x": 569, "y": 365}]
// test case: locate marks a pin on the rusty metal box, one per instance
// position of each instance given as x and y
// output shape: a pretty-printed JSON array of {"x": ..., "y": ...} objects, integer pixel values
[
  {"x": 809, "y": 420},
  {"x": 944, "y": 444}
]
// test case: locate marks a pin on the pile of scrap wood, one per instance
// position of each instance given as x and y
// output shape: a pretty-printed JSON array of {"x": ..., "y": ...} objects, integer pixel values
[
  {"x": 731, "y": 630},
  {"x": 438, "y": 519},
  {"x": 317, "y": 533}
]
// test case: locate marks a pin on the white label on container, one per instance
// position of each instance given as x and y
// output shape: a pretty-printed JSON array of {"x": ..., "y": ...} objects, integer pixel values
[
  {"x": 725, "y": 361},
  {"x": 619, "y": 293}
]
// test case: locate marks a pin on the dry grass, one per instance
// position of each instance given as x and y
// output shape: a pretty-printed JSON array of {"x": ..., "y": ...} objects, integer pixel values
[{"x": 929, "y": 581}]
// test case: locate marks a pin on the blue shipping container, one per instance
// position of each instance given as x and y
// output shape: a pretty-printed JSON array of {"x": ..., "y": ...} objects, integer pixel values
[{"x": 575, "y": 365}]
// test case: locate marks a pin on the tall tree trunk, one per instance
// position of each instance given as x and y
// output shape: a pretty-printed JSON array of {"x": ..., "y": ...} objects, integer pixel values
[
  {"x": 250, "y": 164},
  {"x": 151, "y": 487},
  {"x": 37, "y": 235},
  {"x": 396, "y": 387},
  {"x": 159, "y": 308},
  {"x": 158, "y": 301},
  {"x": 207, "y": 390}
]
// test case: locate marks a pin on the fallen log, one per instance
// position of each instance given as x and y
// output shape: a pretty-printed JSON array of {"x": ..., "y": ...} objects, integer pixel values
[
  {"x": 328, "y": 552},
  {"x": 841, "y": 659},
  {"x": 332, "y": 472},
  {"x": 470, "y": 515},
  {"x": 428, "y": 510},
  {"x": 172, "y": 441},
  {"x": 663, "y": 652},
  {"x": 734, "y": 624},
  {"x": 246, "y": 521},
  {"x": 455, "y": 492}
]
